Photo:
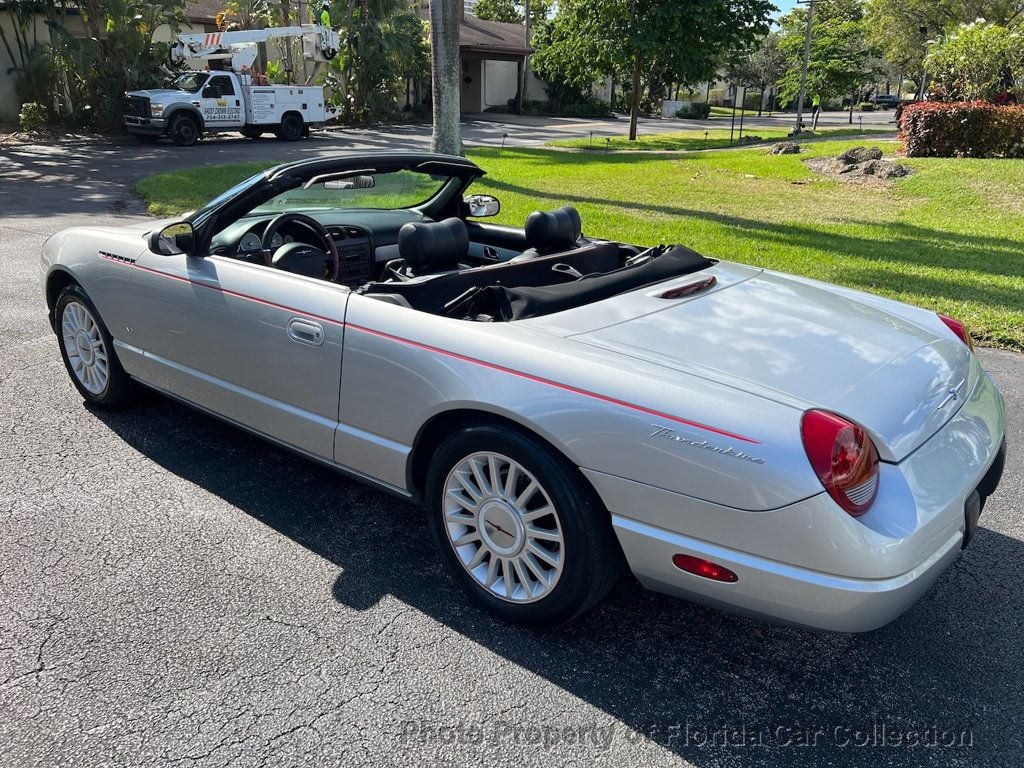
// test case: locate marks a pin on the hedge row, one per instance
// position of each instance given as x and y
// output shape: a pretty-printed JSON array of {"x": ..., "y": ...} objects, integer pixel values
[{"x": 962, "y": 129}]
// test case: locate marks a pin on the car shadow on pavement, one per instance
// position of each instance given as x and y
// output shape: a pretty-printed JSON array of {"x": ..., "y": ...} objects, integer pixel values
[{"x": 711, "y": 687}]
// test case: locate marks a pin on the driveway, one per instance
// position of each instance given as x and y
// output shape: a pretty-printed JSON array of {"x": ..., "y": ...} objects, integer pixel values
[{"x": 173, "y": 592}]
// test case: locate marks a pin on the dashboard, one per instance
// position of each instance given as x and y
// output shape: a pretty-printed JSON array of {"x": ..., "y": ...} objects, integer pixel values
[{"x": 364, "y": 238}]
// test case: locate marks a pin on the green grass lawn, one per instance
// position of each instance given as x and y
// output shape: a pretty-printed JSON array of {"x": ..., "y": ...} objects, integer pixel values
[
  {"x": 950, "y": 237},
  {"x": 689, "y": 140}
]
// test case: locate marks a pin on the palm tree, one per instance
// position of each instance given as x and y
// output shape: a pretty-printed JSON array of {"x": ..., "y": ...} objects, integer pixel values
[{"x": 445, "y": 76}]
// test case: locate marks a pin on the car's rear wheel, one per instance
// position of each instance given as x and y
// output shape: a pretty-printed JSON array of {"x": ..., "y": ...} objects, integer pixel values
[
  {"x": 88, "y": 351},
  {"x": 518, "y": 527},
  {"x": 291, "y": 128},
  {"x": 184, "y": 130}
]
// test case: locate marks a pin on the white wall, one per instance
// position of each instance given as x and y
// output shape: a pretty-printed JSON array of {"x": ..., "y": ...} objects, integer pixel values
[
  {"x": 9, "y": 105},
  {"x": 501, "y": 82}
]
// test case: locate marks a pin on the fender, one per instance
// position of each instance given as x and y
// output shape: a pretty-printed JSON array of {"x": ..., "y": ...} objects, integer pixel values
[{"x": 179, "y": 106}]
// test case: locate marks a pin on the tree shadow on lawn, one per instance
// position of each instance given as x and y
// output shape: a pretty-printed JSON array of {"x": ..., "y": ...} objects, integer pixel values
[
  {"x": 654, "y": 663},
  {"x": 896, "y": 242}
]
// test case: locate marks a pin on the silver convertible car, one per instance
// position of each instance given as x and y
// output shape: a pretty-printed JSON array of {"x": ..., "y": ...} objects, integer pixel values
[{"x": 561, "y": 405}]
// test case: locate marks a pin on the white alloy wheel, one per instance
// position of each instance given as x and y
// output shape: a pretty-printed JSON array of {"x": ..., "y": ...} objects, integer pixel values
[
  {"x": 503, "y": 527},
  {"x": 87, "y": 353}
]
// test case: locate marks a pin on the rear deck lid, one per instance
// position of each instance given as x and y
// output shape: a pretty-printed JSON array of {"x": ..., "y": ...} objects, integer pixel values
[{"x": 802, "y": 344}]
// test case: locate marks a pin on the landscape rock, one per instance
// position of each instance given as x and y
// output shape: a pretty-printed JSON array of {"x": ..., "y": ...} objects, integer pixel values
[
  {"x": 856, "y": 155},
  {"x": 784, "y": 148}
]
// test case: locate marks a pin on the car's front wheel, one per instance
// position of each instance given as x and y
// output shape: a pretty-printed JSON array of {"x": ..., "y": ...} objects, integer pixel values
[
  {"x": 88, "y": 351},
  {"x": 518, "y": 527}
]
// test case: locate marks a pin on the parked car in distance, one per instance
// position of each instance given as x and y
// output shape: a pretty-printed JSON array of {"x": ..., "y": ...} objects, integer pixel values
[
  {"x": 561, "y": 405},
  {"x": 885, "y": 100}
]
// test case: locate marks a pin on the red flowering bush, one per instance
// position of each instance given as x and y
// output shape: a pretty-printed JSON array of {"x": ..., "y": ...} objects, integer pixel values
[{"x": 962, "y": 129}]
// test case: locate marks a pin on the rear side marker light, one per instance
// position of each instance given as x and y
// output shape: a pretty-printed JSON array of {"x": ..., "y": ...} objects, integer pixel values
[
  {"x": 705, "y": 568},
  {"x": 959, "y": 329}
]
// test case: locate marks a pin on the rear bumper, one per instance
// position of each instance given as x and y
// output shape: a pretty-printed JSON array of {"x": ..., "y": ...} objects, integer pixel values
[{"x": 776, "y": 591}]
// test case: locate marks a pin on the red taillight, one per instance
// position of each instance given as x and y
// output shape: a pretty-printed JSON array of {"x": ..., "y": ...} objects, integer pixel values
[
  {"x": 959, "y": 329},
  {"x": 844, "y": 458},
  {"x": 704, "y": 568}
]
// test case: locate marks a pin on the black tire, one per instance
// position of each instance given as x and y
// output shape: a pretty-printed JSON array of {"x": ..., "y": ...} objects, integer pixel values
[
  {"x": 291, "y": 128},
  {"x": 184, "y": 130},
  {"x": 118, "y": 390},
  {"x": 590, "y": 555}
]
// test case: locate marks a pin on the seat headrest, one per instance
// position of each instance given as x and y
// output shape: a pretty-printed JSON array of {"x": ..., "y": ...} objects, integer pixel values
[
  {"x": 553, "y": 231},
  {"x": 433, "y": 246}
]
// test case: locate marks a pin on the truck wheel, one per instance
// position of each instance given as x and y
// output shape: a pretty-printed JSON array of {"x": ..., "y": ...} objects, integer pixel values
[
  {"x": 184, "y": 130},
  {"x": 291, "y": 127}
]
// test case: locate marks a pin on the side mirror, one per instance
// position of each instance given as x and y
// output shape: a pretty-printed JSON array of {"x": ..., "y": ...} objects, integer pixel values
[
  {"x": 481, "y": 206},
  {"x": 173, "y": 239}
]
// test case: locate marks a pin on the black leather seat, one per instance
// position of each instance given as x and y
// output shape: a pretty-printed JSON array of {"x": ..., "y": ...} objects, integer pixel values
[
  {"x": 550, "y": 232},
  {"x": 431, "y": 248}
]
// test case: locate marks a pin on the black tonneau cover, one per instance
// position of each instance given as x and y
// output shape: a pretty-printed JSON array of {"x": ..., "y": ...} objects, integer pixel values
[{"x": 502, "y": 303}]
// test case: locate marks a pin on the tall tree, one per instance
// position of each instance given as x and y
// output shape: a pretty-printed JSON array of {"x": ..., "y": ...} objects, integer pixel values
[
  {"x": 384, "y": 45},
  {"x": 512, "y": 11},
  {"x": 903, "y": 28},
  {"x": 655, "y": 42},
  {"x": 445, "y": 76},
  {"x": 760, "y": 66},
  {"x": 842, "y": 59}
]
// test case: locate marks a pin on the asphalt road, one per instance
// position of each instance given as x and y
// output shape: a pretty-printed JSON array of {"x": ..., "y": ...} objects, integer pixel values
[{"x": 173, "y": 592}]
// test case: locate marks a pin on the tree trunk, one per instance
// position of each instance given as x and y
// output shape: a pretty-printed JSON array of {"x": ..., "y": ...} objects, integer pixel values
[
  {"x": 760, "y": 103},
  {"x": 853, "y": 98},
  {"x": 445, "y": 75},
  {"x": 611, "y": 93},
  {"x": 634, "y": 106}
]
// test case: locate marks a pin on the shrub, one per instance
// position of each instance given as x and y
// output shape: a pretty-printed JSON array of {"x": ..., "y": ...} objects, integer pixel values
[
  {"x": 962, "y": 129},
  {"x": 33, "y": 116},
  {"x": 695, "y": 111},
  {"x": 866, "y": 106}
]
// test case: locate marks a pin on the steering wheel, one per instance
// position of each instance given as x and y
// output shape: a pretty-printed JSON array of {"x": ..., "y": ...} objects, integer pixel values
[{"x": 318, "y": 229}]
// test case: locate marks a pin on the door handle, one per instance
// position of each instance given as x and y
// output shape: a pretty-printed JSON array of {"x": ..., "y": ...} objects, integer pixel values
[{"x": 306, "y": 332}]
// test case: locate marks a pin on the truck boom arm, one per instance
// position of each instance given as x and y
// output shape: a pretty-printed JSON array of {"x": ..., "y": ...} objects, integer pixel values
[{"x": 321, "y": 44}]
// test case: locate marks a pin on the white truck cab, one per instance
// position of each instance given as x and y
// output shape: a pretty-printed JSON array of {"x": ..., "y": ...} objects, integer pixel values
[{"x": 226, "y": 96}]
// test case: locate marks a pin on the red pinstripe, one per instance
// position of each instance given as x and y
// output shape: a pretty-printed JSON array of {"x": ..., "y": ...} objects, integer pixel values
[{"x": 555, "y": 384}]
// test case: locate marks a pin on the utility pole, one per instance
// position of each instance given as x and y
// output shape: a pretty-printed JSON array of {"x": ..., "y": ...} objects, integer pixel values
[{"x": 803, "y": 69}]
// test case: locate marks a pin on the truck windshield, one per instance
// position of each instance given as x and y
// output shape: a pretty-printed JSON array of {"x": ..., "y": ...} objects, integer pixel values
[{"x": 190, "y": 81}]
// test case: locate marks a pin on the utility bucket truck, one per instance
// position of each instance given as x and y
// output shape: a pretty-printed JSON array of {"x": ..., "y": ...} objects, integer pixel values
[{"x": 220, "y": 91}]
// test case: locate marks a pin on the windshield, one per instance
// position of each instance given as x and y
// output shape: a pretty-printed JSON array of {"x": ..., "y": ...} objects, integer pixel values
[
  {"x": 398, "y": 189},
  {"x": 240, "y": 187},
  {"x": 190, "y": 81}
]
